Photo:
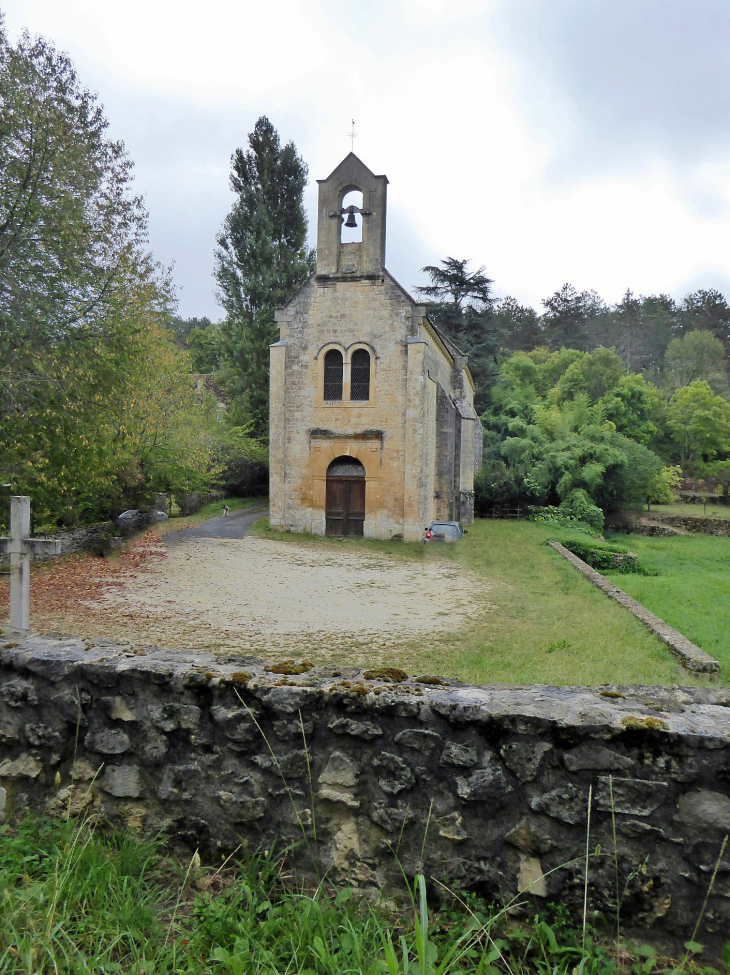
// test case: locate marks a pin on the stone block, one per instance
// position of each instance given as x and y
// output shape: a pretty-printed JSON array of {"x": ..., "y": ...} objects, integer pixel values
[
  {"x": 451, "y": 828},
  {"x": 487, "y": 785},
  {"x": 530, "y": 879},
  {"x": 567, "y": 803},
  {"x": 288, "y": 730},
  {"x": 529, "y": 838},
  {"x": 42, "y": 735},
  {"x": 523, "y": 758},
  {"x": 596, "y": 758},
  {"x": 394, "y": 775},
  {"x": 420, "y": 739},
  {"x": 637, "y": 797},
  {"x": 333, "y": 794},
  {"x": 703, "y": 810},
  {"x": 339, "y": 771},
  {"x": 110, "y": 741},
  {"x": 23, "y": 767},
  {"x": 459, "y": 755},
  {"x": 390, "y": 817},
  {"x": 19, "y": 693},
  {"x": 367, "y": 730},
  {"x": 122, "y": 781}
]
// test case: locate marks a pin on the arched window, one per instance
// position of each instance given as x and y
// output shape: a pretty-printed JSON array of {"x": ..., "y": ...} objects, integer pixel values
[
  {"x": 345, "y": 467},
  {"x": 333, "y": 375},
  {"x": 360, "y": 375}
]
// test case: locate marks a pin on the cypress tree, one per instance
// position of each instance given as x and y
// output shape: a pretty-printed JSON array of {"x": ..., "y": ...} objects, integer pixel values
[{"x": 261, "y": 260}]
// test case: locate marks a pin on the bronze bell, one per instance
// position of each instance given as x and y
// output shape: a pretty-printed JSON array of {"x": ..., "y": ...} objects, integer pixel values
[{"x": 351, "y": 221}]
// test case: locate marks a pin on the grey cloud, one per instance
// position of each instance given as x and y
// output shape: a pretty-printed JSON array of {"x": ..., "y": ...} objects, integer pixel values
[
  {"x": 181, "y": 150},
  {"x": 639, "y": 77}
]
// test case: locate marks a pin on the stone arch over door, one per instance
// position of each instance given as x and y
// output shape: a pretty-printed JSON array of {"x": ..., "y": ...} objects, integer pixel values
[{"x": 345, "y": 497}]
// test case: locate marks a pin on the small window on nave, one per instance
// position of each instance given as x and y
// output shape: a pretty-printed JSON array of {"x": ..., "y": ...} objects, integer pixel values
[
  {"x": 360, "y": 376},
  {"x": 333, "y": 375}
]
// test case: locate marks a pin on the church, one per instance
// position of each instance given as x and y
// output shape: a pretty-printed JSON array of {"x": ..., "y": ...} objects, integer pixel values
[{"x": 372, "y": 424}]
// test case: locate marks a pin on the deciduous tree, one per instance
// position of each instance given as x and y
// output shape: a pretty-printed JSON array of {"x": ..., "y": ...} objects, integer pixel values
[
  {"x": 700, "y": 423},
  {"x": 98, "y": 406}
]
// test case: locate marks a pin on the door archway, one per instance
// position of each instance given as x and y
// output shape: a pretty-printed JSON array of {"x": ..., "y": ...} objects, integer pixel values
[{"x": 345, "y": 498}]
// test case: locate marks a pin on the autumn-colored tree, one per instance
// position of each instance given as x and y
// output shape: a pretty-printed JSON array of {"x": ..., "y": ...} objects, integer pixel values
[{"x": 98, "y": 406}]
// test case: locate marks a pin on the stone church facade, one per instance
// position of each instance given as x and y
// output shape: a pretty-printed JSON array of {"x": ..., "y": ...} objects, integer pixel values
[{"x": 372, "y": 426}]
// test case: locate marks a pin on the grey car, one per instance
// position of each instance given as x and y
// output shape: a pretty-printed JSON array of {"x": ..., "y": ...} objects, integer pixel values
[{"x": 443, "y": 531}]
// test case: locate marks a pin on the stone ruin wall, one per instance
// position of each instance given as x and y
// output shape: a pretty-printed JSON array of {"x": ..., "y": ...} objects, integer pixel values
[{"x": 491, "y": 782}]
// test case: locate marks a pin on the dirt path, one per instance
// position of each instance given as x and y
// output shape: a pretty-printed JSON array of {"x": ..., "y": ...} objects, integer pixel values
[{"x": 258, "y": 596}]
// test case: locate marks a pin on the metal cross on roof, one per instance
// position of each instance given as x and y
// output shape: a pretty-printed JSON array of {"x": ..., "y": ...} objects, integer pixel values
[
  {"x": 19, "y": 546},
  {"x": 353, "y": 135}
]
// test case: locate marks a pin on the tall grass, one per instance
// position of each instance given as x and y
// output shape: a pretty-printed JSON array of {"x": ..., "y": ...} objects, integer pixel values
[{"x": 75, "y": 900}]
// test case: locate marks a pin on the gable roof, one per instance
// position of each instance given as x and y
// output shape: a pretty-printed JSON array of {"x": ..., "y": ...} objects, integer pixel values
[{"x": 350, "y": 160}]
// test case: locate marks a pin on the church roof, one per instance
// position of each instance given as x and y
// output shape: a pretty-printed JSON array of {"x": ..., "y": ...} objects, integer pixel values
[{"x": 351, "y": 160}]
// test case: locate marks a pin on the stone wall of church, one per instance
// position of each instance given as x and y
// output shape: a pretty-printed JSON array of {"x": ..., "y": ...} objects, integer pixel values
[
  {"x": 487, "y": 788},
  {"x": 307, "y": 433}
]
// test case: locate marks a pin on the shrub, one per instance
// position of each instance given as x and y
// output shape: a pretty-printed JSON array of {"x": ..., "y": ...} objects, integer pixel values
[
  {"x": 550, "y": 515},
  {"x": 579, "y": 506},
  {"x": 604, "y": 558}
]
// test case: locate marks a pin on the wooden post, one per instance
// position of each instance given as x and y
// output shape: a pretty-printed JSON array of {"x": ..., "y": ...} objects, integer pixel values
[{"x": 19, "y": 546}]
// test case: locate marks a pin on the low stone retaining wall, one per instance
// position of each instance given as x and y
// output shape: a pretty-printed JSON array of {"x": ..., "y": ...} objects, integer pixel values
[
  {"x": 690, "y": 655},
  {"x": 479, "y": 787},
  {"x": 654, "y": 523},
  {"x": 90, "y": 538},
  {"x": 705, "y": 526}
]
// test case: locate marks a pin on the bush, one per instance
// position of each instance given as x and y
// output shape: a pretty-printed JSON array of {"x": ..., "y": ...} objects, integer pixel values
[
  {"x": 604, "y": 558},
  {"x": 579, "y": 506},
  {"x": 662, "y": 488},
  {"x": 550, "y": 515}
]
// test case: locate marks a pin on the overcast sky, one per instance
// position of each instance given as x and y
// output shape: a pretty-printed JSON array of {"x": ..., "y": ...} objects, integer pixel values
[{"x": 550, "y": 140}]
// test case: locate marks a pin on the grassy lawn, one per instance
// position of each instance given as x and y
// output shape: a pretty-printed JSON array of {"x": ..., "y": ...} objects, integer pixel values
[
  {"x": 541, "y": 622},
  {"x": 691, "y": 591}
]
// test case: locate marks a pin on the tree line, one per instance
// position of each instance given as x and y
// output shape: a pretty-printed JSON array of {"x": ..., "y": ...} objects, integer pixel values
[{"x": 610, "y": 401}]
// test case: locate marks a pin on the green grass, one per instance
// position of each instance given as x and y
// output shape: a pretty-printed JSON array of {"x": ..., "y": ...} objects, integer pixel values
[
  {"x": 541, "y": 621},
  {"x": 209, "y": 511},
  {"x": 691, "y": 591},
  {"x": 77, "y": 901}
]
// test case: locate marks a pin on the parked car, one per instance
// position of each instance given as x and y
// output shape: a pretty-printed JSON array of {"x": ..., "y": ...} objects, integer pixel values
[{"x": 443, "y": 531}]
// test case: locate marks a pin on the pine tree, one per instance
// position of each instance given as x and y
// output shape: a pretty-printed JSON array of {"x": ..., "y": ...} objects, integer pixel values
[
  {"x": 460, "y": 304},
  {"x": 262, "y": 258},
  {"x": 568, "y": 317}
]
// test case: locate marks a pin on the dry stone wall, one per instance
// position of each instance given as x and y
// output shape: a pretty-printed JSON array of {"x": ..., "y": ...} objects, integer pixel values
[{"x": 480, "y": 787}]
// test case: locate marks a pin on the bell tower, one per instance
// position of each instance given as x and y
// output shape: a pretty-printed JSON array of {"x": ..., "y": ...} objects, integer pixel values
[{"x": 336, "y": 255}]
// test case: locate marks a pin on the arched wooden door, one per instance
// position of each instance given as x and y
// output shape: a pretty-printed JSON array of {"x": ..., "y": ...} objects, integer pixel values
[{"x": 345, "y": 504}]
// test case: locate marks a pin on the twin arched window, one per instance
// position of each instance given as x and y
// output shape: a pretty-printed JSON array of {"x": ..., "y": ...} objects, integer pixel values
[{"x": 334, "y": 367}]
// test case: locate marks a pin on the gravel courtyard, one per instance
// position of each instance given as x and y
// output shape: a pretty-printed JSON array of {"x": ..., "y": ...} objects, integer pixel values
[
  {"x": 258, "y": 596},
  {"x": 281, "y": 597}
]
